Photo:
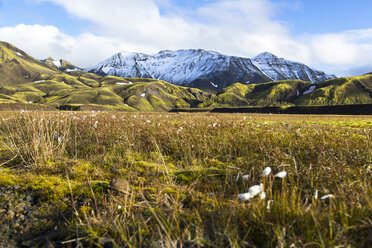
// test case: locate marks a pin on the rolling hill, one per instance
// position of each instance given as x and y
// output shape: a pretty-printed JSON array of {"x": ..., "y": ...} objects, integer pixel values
[
  {"x": 340, "y": 91},
  {"x": 89, "y": 91},
  {"x": 17, "y": 67}
]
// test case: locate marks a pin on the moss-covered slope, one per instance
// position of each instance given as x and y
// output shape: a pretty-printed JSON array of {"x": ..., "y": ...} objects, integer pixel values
[
  {"x": 17, "y": 67},
  {"x": 340, "y": 91},
  {"x": 82, "y": 89},
  {"x": 266, "y": 94}
]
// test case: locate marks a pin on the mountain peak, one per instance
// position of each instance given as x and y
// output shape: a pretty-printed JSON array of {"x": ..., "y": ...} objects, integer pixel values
[
  {"x": 127, "y": 53},
  {"x": 265, "y": 56},
  {"x": 59, "y": 64},
  {"x": 205, "y": 70}
]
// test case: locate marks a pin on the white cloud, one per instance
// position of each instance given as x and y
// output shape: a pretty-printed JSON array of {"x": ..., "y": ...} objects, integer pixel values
[
  {"x": 235, "y": 27},
  {"x": 44, "y": 41},
  {"x": 37, "y": 38},
  {"x": 344, "y": 53}
]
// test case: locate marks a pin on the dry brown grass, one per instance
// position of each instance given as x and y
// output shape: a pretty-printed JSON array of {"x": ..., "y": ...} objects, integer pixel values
[{"x": 184, "y": 172}]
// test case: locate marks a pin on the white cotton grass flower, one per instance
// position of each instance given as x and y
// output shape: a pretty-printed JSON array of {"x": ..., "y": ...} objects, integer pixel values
[
  {"x": 255, "y": 190},
  {"x": 119, "y": 207},
  {"x": 245, "y": 196},
  {"x": 281, "y": 174},
  {"x": 268, "y": 206},
  {"x": 329, "y": 196},
  {"x": 262, "y": 195},
  {"x": 252, "y": 192},
  {"x": 266, "y": 172},
  {"x": 316, "y": 194},
  {"x": 245, "y": 178},
  {"x": 95, "y": 124}
]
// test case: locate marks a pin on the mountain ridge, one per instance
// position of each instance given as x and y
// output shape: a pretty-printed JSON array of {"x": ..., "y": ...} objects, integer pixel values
[
  {"x": 206, "y": 70},
  {"x": 60, "y": 64}
]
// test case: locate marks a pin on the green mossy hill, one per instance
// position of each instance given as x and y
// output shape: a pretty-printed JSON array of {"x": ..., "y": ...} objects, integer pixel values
[
  {"x": 340, "y": 91},
  {"x": 266, "y": 94},
  {"x": 77, "y": 89},
  {"x": 17, "y": 67}
]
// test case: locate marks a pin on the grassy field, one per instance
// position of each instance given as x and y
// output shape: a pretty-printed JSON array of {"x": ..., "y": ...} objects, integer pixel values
[{"x": 174, "y": 180}]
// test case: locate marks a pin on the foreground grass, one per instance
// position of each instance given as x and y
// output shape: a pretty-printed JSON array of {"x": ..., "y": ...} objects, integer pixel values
[{"x": 181, "y": 175}]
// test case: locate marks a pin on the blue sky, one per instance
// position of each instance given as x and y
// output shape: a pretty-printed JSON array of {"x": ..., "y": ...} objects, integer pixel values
[{"x": 331, "y": 35}]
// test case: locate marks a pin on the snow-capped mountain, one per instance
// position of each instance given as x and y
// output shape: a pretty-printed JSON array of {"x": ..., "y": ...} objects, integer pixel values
[
  {"x": 280, "y": 69},
  {"x": 204, "y": 69}
]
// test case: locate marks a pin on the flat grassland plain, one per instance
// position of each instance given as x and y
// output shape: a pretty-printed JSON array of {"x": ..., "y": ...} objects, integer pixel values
[{"x": 173, "y": 180}]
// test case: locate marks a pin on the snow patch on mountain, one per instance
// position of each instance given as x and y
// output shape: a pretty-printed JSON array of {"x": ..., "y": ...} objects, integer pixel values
[
  {"x": 57, "y": 63},
  {"x": 214, "y": 85},
  {"x": 311, "y": 89}
]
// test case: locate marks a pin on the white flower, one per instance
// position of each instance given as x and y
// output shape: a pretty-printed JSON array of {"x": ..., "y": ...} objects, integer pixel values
[
  {"x": 143, "y": 94},
  {"x": 119, "y": 207},
  {"x": 327, "y": 196},
  {"x": 255, "y": 190},
  {"x": 269, "y": 204},
  {"x": 95, "y": 124},
  {"x": 266, "y": 172},
  {"x": 281, "y": 174},
  {"x": 245, "y": 178},
  {"x": 245, "y": 196},
  {"x": 252, "y": 192},
  {"x": 262, "y": 195}
]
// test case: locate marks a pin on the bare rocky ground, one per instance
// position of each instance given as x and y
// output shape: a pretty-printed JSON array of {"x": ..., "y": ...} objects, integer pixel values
[
  {"x": 27, "y": 221},
  {"x": 24, "y": 221}
]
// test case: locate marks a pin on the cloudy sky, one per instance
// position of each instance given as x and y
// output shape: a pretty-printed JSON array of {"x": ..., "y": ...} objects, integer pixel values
[{"x": 330, "y": 35}]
